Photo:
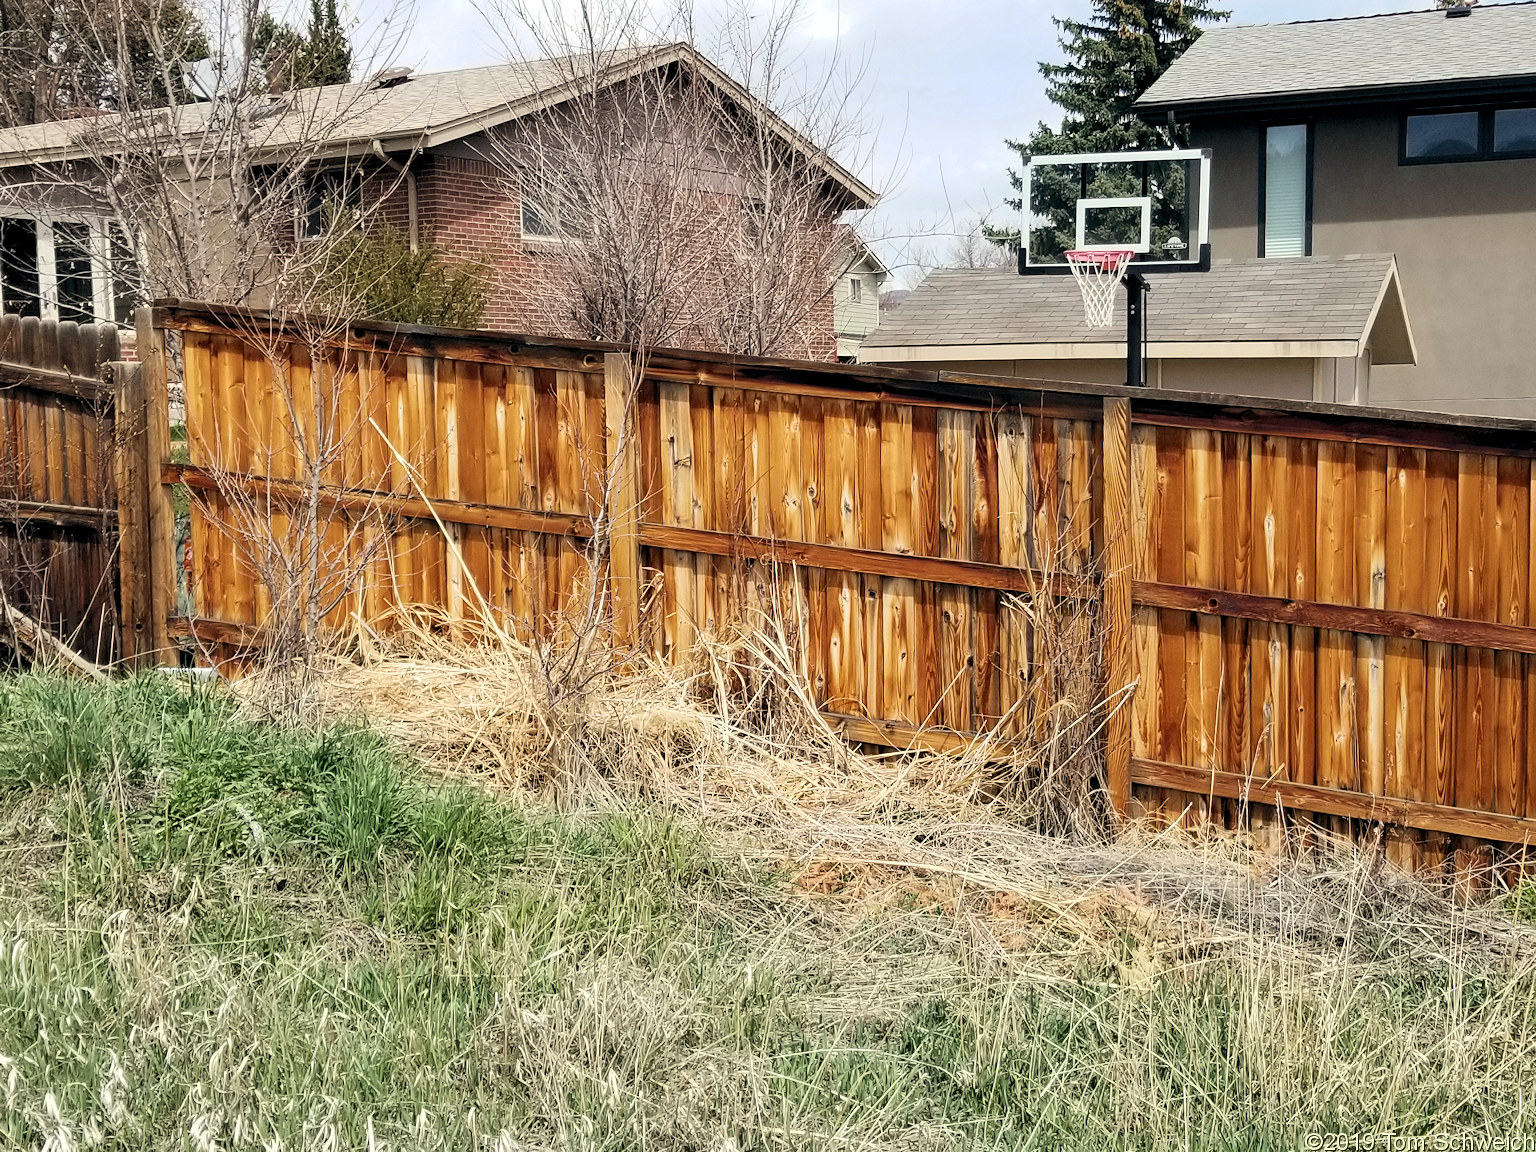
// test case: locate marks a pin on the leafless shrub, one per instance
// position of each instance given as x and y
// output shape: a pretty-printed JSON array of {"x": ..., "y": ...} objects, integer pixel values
[
  {"x": 280, "y": 457},
  {"x": 674, "y": 199},
  {"x": 670, "y": 203}
]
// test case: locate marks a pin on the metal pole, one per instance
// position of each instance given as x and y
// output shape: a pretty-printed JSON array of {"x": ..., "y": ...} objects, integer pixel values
[{"x": 1135, "y": 330}]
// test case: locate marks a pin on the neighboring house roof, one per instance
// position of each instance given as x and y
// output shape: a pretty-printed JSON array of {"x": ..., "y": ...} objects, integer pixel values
[
  {"x": 425, "y": 111},
  {"x": 1351, "y": 59},
  {"x": 861, "y": 257},
  {"x": 1312, "y": 306}
]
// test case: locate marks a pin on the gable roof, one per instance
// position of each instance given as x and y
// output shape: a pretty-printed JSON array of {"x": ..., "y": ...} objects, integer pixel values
[
  {"x": 428, "y": 110},
  {"x": 1362, "y": 57},
  {"x": 1312, "y": 306}
]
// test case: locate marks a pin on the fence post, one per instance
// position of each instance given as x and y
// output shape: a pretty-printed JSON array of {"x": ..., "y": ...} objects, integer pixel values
[
  {"x": 1119, "y": 675},
  {"x": 162, "y": 512},
  {"x": 134, "y": 567},
  {"x": 145, "y": 517},
  {"x": 624, "y": 513}
]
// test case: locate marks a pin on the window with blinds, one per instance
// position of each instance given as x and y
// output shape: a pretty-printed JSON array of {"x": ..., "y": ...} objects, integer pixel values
[{"x": 1285, "y": 191}]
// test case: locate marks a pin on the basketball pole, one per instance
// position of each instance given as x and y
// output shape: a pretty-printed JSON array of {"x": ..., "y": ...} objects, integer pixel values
[{"x": 1135, "y": 329}]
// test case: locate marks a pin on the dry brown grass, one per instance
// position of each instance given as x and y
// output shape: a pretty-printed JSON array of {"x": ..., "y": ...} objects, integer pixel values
[{"x": 990, "y": 835}]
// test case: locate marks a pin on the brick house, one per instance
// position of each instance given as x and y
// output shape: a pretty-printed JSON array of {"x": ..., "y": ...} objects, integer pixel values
[{"x": 422, "y": 151}]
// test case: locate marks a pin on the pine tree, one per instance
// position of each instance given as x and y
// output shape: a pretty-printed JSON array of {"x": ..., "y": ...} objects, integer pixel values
[
  {"x": 293, "y": 59},
  {"x": 61, "y": 58},
  {"x": 326, "y": 57},
  {"x": 1112, "y": 58}
]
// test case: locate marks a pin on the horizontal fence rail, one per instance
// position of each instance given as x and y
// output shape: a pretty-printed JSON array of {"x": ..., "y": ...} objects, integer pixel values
[{"x": 1303, "y": 608}]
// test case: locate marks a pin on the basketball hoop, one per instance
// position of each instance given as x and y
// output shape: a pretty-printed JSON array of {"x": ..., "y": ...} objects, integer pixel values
[{"x": 1098, "y": 273}]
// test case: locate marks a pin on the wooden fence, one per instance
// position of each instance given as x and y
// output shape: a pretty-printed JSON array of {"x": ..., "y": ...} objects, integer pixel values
[
  {"x": 1323, "y": 609},
  {"x": 58, "y": 505}
]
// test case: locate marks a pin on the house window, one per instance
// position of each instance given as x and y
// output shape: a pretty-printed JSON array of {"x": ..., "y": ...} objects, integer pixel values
[
  {"x": 550, "y": 213},
  {"x": 332, "y": 197},
  {"x": 72, "y": 271},
  {"x": 1443, "y": 136},
  {"x": 1473, "y": 134},
  {"x": 21, "y": 292},
  {"x": 1514, "y": 132},
  {"x": 1286, "y": 222},
  {"x": 127, "y": 293},
  {"x": 78, "y": 270},
  {"x": 537, "y": 221},
  {"x": 855, "y": 289}
]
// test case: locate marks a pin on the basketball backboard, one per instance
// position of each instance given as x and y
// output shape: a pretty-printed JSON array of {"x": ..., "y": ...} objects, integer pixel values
[{"x": 1154, "y": 203}]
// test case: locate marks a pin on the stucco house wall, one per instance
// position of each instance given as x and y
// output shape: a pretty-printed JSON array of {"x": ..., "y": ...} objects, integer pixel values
[{"x": 1459, "y": 231}]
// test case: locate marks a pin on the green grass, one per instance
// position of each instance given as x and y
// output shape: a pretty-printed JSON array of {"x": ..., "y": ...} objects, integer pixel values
[{"x": 222, "y": 934}]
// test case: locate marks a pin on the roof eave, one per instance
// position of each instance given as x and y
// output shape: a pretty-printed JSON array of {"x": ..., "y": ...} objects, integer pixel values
[
  {"x": 1111, "y": 350},
  {"x": 859, "y": 194},
  {"x": 1326, "y": 99}
]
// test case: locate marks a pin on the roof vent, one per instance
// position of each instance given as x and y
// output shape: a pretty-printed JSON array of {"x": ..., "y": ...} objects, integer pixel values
[
  {"x": 1458, "y": 8},
  {"x": 391, "y": 76}
]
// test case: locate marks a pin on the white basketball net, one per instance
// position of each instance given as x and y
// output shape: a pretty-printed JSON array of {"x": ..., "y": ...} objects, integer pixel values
[{"x": 1098, "y": 273}]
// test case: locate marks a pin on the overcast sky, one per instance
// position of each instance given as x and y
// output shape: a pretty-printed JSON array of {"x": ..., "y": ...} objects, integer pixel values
[{"x": 946, "y": 82}]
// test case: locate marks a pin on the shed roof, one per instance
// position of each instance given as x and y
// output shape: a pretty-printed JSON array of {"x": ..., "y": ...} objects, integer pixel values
[
  {"x": 1390, "y": 54},
  {"x": 426, "y": 110},
  {"x": 1312, "y": 306}
]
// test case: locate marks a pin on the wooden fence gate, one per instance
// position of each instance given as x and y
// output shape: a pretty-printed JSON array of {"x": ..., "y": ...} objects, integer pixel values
[
  {"x": 75, "y": 436},
  {"x": 1319, "y": 608}
]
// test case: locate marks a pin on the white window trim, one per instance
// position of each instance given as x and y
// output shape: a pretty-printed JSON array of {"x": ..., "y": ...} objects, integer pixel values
[
  {"x": 47, "y": 267},
  {"x": 100, "y": 249},
  {"x": 101, "y": 269}
]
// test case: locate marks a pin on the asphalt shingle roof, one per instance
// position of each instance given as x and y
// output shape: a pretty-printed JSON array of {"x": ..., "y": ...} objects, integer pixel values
[
  {"x": 1494, "y": 42},
  {"x": 358, "y": 111},
  {"x": 426, "y": 109},
  {"x": 1309, "y": 299}
]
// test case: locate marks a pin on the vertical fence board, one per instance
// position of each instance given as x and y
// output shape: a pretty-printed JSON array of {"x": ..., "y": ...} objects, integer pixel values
[
  {"x": 1167, "y": 545},
  {"x": 1296, "y": 515},
  {"x": 1119, "y": 562}
]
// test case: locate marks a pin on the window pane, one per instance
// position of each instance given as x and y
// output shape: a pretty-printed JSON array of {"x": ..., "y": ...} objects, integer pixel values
[
  {"x": 126, "y": 295},
  {"x": 1514, "y": 130},
  {"x": 72, "y": 265},
  {"x": 18, "y": 267},
  {"x": 1443, "y": 136},
  {"x": 330, "y": 198},
  {"x": 535, "y": 221},
  {"x": 1285, "y": 191}
]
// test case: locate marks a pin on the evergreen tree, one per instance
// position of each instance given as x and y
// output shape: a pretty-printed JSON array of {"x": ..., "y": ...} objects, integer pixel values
[
  {"x": 1112, "y": 58},
  {"x": 63, "y": 58},
  {"x": 293, "y": 59},
  {"x": 327, "y": 54}
]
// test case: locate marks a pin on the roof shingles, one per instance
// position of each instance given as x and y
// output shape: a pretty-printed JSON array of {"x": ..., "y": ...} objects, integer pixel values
[
  {"x": 1310, "y": 299},
  {"x": 1401, "y": 49}
]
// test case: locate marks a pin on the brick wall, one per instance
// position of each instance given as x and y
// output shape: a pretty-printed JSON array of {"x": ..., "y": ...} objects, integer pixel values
[{"x": 468, "y": 210}]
